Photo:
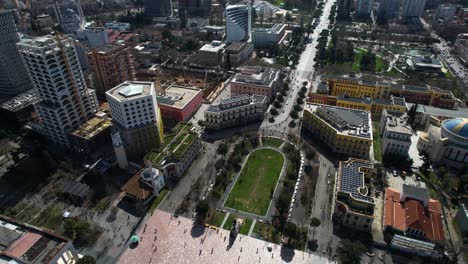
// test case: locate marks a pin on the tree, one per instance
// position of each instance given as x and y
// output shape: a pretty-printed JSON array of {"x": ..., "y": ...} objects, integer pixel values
[
  {"x": 368, "y": 62},
  {"x": 299, "y": 101},
  {"x": 282, "y": 203},
  {"x": 350, "y": 252},
  {"x": 222, "y": 149},
  {"x": 288, "y": 17},
  {"x": 273, "y": 111},
  {"x": 86, "y": 260},
  {"x": 290, "y": 230},
  {"x": 202, "y": 209},
  {"x": 315, "y": 222},
  {"x": 277, "y": 104},
  {"x": 294, "y": 114}
]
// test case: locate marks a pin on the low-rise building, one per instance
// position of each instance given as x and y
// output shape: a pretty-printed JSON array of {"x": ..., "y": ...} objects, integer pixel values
[
  {"x": 235, "y": 111},
  {"x": 413, "y": 214},
  {"x": 354, "y": 207},
  {"x": 92, "y": 134},
  {"x": 256, "y": 80},
  {"x": 426, "y": 64},
  {"x": 424, "y": 113},
  {"x": 461, "y": 47},
  {"x": 144, "y": 185},
  {"x": 179, "y": 103},
  {"x": 268, "y": 36},
  {"x": 238, "y": 52},
  {"x": 414, "y": 94},
  {"x": 19, "y": 109},
  {"x": 118, "y": 26},
  {"x": 24, "y": 243},
  {"x": 177, "y": 155},
  {"x": 447, "y": 144},
  {"x": 345, "y": 131},
  {"x": 211, "y": 53},
  {"x": 396, "y": 134},
  {"x": 375, "y": 106}
]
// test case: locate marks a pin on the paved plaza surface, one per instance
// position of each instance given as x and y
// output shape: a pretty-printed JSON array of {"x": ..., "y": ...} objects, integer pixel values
[{"x": 166, "y": 239}]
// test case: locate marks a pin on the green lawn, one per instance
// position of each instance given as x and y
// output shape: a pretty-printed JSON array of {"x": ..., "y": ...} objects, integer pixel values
[
  {"x": 357, "y": 60},
  {"x": 274, "y": 142},
  {"x": 246, "y": 226},
  {"x": 377, "y": 141},
  {"x": 380, "y": 64},
  {"x": 216, "y": 219},
  {"x": 257, "y": 181},
  {"x": 228, "y": 224}
]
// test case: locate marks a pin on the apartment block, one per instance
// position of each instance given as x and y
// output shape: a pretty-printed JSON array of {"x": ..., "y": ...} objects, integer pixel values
[
  {"x": 396, "y": 134},
  {"x": 345, "y": 131},
  {"x": 354, "y": 207},
  {"x": 256, "y": 80},
  {"x": 112, "y": 65},
  {"x": 136, "y": 117},
  {"x": 66, "y": 102},
  {"x": 268, "y": 36},
  {"x": 413, "y": 94},
  {"x": 179, "y": 103},
  {"x": 235, "y": 111}
]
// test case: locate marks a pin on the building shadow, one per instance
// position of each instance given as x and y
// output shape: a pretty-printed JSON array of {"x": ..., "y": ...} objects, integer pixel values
[
  {"x": 287, "y": 254},
  {"x": 197, "y": 230}
]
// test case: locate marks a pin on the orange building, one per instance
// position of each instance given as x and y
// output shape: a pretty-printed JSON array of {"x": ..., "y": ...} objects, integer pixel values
[{"x": 112, "y": 65}]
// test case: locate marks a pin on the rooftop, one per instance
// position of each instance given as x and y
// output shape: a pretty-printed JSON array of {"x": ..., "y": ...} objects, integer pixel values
[
  {"x": 178, "y": 96},
  {"x": 235, "y": 102},
  {"x": 257, "y": 75},
  {"x": 435, "y": 111},
  {"x": 108, "y": 48},
  {"x": 412, "y": 214},
  {"x": 351, "y": 178},
  {"x": 92, "y": 127},
  {"x": 21, "y": 101},
  {"x": 131, "y": 90},
  {"x": 396, "y": 123},
  {"x": 237, "y": 47},
  {"x": 137, "y": 188},
  {"x": 345, "y": 121},
  {"x": 214, "y": 46},
  {"x": 275, "y": 29},
  {"x": 27, "y": 243}
]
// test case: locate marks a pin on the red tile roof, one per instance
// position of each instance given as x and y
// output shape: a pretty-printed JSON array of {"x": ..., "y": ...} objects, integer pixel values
[
  {"x": 22, "y": 244},
  {"x": 412, "y": 214}
]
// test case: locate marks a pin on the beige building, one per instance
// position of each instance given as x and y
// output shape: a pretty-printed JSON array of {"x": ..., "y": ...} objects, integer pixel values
[
  {"x": 235, "y": 111},
  {"x": 256, "y": 80},
  {"x": 396, "y": 134},
  {"x": 112, "y": 65},
  {"x": 354, "y": 207}
]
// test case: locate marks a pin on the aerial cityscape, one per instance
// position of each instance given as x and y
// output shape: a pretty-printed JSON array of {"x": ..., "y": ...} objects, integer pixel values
[{"x": 233, "y": 131}]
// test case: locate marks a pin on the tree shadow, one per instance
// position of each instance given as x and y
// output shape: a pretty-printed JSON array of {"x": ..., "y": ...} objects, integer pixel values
[
  {"x": 197, "y": 230},
  {"x": 133, "y": 245},
  {"x": 287, "y": 254}
]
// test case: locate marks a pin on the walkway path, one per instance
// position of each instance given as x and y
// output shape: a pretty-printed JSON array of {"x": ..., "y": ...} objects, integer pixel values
[
  {"x": 252, "y": 227},
  {"x": 224, "y": 220}
]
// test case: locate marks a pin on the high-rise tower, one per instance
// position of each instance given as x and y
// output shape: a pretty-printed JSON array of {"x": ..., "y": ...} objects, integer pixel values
[
  {"x": 238, "y": 23},
  {"x": 66, "y": 103},
  {"x": 14, "y": 77},
  {"x": 158, "y": 8}
]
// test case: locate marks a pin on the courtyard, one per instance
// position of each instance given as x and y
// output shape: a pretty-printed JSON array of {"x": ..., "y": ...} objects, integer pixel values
[{"x": 257, "y": 181}]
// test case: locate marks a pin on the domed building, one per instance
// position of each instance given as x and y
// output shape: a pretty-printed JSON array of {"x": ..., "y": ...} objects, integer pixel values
[{"x": 447, "y": 144}]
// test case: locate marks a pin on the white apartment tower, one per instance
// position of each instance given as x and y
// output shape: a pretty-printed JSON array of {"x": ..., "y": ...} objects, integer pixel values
[
  {"x": 136, "y": 117},
  {"x": 67, "y": 102},
  {"x": 238, "y": 23},
  {"x": 14, "y": 77}
]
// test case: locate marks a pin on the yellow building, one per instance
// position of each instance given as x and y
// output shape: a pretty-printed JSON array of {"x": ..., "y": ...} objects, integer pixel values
[
  {"x": 345, "y": 131},
  {"x": 357, "y": 88}
]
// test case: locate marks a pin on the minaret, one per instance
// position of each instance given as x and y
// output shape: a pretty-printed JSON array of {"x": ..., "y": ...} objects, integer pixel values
[{"x": 119, "y": 151}]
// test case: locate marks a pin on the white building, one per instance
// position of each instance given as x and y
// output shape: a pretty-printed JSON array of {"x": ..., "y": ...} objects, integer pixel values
[
  {"x": 268, "y": 36},
  {"x": 461, "y": 47},
  {"x": 396, "y": 134},
  {"x": 238, "y": 23},
  {"x": 448, "y": 144},
  {"x": 56, "y": 73},
  {"x": 235, "y": 111},
  {"x": 135, "y": 115},
  {"x": 145, "y": 185},
  {"x": 14, "y": 77},
  {"x": 413, "y": 8}
]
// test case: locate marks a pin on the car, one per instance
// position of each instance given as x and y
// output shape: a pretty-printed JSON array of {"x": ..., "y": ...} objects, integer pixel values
[
  {"x": 370, "y": 254},
  {"x": 395, "y": 173},
  {"x": 223, "y": 211}
]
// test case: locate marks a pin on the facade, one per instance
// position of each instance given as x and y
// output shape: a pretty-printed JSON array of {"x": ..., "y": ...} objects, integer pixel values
[
  {"x": 235, "y": 111},
  {"x": 364, "y": 7},
  {"x": 212, "y": 53},
  {"x": 145, "y": 185},
  {"x": 413, "y": 214},
  {"x": 354, "y": 207},
  {"x": 395, "y": 133},
  {"x": 92, "y": 134},
  {"x": 24, "y": 243},
  {"x": 389, "y": 9},
  {"x": 426, "y": 115},
  {"x": 14, "y": 77},
  {"x": 461, "y": 47},
  {"x": 158, "y": 8},
  {"x": 195, "y": 8},
  {"x": 96, "y": 36},
  {"x": 179, "y": 103},
  {"x": 112, "y": 65},
  {"x": 345, "y": 131},
  {"x": 256, "y": 80},
  {"x": 413, "y": 8},
  {"x": 66, "y": 101},
  {"x": 426, "y": 95},
  {"x": 375, "y": 106},
  {"x": 19, "y": 109},
  {"x": 70, "y": 21},
  {"x": 462, "y": 218},
  {"x": 238, "y": 52},
  {"x": 136, "y": 117},
  {"x": 238, "y": 23},
  {"x": 447, "y": 144},
  {"x": 268, "y": 36},
  {"x": 175, "y": 158}
]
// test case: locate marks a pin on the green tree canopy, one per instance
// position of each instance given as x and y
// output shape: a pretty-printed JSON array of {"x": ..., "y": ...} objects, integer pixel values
[
  {"x": 350, "y": 252},
  {"x": 86, "y": 260}
]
